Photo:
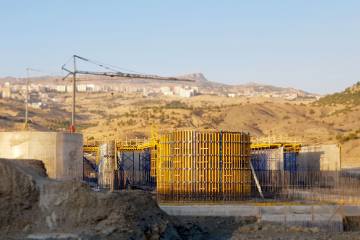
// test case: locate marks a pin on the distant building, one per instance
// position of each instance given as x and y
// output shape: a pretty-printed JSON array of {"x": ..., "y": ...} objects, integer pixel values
[
  {"x": 61, "y": 88},
  {"x": 81, "y": 87},
  {"x": 44, "y": 97},
  {"x": 291, "y": 96},
  {"x": 87, "y": 88},
  {"x": 166, "y": 91},
  {"x": 184, "y": 92},
  {"x": 6, "y": 90},
  {"x": 37, "y": 105},
  {"x": 69, "y": 88}
]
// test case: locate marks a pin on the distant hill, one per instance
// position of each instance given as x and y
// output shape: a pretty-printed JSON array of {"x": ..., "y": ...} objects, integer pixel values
[
  {"x": 200, "y": 81},
  {"x": 270, "y": 88},
  {"x": 198, "y": 77},
  {"x": 10, "y": 79},
  {"x": 350, "y": 96}
]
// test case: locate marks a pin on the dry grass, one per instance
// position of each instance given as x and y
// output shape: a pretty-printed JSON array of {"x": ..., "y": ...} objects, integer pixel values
[{"x": 118, "y": 115}]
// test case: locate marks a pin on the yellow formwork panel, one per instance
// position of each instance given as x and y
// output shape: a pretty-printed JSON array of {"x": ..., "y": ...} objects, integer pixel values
[
  {"x": 289, "y": 147},
  {"x": 153, "y": 157},
  {"x": 93, "y": 149},
  {"x": 203, "y": 165}
]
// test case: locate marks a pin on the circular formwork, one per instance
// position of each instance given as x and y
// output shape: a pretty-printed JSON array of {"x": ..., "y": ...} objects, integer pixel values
[{"x": 203, "y": 165}]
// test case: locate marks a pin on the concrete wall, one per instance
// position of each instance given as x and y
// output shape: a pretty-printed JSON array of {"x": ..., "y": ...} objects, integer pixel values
[
  {"x": 325, "y": 217},
  {"x": 107, "y": 164},
  {"x": 61, "y": 152},
  {"x": 319, "y": 157}
]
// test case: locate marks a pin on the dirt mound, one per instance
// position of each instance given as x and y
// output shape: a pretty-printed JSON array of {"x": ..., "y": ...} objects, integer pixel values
[
  {"x": 18, "y": 192},
  {"x": 33, "y": 206}
]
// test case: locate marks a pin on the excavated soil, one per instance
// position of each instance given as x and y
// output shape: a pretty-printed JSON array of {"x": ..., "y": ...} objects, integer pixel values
[
  {"x": 35, "y": 207},
  {"x": 32, "y": 206}
]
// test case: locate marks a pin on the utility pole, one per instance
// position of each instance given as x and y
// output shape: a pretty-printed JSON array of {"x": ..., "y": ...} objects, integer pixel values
[
  {"x": 72, "y": 127},
  {"x": 27, "y": 98}
]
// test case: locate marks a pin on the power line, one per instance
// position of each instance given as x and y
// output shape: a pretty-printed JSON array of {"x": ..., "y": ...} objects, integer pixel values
[{"x": 106, "y": 66}]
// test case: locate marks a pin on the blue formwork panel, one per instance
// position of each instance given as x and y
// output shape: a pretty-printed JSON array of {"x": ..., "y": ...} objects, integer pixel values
[
  {"x": 135, "y": 167},
  {"x": 290, "y": 161},
  {"x": 260, "y": 161}
]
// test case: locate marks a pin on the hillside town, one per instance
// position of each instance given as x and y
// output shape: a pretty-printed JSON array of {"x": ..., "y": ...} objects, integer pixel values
[{"x": 40, "y": 94}]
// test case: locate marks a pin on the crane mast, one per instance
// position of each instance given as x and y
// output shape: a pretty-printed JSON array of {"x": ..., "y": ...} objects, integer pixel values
[{"x": 111, "y": 73}]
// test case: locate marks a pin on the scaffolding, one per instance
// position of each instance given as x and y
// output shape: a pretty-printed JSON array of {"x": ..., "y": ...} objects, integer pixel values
[
  {"x": 203, "y": 165},
  {"x": 294, "y": 171},
  {"x": 272, "y": 159},
  {"x": 134, "y": 170},
  {"x": 121, "y": 164},
  {"x": 211, "y": 166}
]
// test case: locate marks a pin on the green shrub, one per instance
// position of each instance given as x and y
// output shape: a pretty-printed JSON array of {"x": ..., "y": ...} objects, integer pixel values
[
  {"x": 346, "y": 138},
  {"x": 176, "y": 105},
  {"x": 198, "y": 112},
  {"x": 345, "y": 97}
]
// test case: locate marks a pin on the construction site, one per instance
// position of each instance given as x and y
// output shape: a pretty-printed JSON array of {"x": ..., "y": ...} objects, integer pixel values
[{"x": 177, "y": 183}]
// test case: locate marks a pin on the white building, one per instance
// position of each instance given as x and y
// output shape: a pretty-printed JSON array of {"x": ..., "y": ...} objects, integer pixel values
[
  {"x": 69, "y": 88},
  {"x": 37, "y": 105},
  {"x": 166, "y": 91},
  {"x": 6, "y": 90},
  {"x": 186, "y": 91},
  {"x": 81, "y": 87},
  {"x": 61, "y": 88}
]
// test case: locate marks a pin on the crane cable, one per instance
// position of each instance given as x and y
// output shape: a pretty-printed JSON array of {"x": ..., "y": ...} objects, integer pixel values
[{"x": 109, "y": 67}]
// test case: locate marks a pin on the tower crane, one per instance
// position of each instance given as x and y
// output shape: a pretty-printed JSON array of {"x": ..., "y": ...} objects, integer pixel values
[{"x": 110, "y": 72}]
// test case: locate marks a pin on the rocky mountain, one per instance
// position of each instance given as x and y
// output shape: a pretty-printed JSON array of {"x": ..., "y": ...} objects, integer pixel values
[
  {"x": 251, "y": 87},
  {"x": 198, "y": 77}
]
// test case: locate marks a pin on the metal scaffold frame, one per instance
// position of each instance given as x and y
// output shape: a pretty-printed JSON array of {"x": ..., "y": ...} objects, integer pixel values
[
  {"x": 212, "y": 166},
  {"x": 125, "y": 174}
]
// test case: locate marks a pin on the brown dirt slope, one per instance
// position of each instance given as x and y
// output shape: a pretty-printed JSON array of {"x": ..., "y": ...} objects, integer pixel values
[{"x": 32, "y": 205}]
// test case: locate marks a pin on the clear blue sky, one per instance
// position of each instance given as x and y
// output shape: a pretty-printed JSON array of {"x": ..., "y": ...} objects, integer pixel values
[{"x": 312, "y": 45}]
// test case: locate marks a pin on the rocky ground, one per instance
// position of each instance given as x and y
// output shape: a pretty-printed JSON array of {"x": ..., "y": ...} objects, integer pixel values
[{"x": 35, "y": 207}]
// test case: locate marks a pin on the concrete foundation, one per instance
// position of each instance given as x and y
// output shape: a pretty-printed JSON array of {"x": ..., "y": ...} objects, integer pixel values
[
  {"x": 328, "y": 217},
  {"x": 61, "y": 153}
]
